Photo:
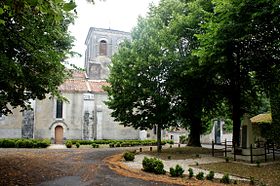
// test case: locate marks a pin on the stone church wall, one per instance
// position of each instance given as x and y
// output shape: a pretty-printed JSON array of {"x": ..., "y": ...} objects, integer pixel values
[
  {"x": 109, "y": 129},
  {"x": 10, "y": 126}
]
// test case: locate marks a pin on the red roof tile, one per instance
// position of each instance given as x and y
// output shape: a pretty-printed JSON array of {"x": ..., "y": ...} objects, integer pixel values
[
  {"x": 82, "y": 85},
  {"x": 96, "y": 86}
]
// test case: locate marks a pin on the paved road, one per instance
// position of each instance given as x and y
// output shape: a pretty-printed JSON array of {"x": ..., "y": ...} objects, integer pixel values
[{"x": 71, "y": 167}]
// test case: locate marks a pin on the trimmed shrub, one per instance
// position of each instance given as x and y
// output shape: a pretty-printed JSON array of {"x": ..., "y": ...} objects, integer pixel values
[
  {"x": 95, "y": 145},
  {"x": 225, "y": 179},
  {"x": 24, "y": 143},
  {"x": 68, "y": 144},
  {"x": 200, "y": 176},
  {"x": 190, "y": 172},
  {"x": 153, "y": 165},
  {"x": 177, "y": 171},
  {"x": 117, "y": 144},
  {"x": 8, "y": 143},
  {"x": 129, "y": 156},
  {"x": 111, "y": 145},
  {"x": 77, "y": 144},
  {"x": 210, "y": 176}
]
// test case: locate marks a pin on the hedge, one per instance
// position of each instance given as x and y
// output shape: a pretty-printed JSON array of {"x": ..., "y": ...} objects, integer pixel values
[
  {"x": 24, "y": 143},
  {"x": 121, "y": 143}
]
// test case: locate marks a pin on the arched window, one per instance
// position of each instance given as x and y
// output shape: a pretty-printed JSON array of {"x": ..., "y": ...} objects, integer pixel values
[{"x": 103, "y": 48}]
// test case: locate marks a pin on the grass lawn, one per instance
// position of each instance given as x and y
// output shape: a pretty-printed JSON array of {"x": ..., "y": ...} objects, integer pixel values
[
  {"x": 266, "y": 173},
  {"x": 180, "y": 153}
]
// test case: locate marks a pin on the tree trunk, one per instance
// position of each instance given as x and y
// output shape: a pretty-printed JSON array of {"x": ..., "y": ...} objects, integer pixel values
[
  {"x": 275, "y": 113},
  {"x": 236, "y": 122},
  {"x": 195, "y": 130},
  {"x": 159, "y": 138}
]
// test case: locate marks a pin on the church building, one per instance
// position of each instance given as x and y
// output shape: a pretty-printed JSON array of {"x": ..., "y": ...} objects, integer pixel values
[{"x": 85, "y": 115}]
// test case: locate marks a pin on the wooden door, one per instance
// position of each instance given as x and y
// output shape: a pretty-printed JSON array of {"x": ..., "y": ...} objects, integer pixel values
[{"x": 58, "y": 135}]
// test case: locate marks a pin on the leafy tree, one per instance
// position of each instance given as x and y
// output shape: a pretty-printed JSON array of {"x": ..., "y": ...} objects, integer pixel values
[
  {"x": 223, "y": 47},
  {"x": 138, "y": 93},
  {"x": 154, "y": 79},
  {"x": 34, "y": 41}
]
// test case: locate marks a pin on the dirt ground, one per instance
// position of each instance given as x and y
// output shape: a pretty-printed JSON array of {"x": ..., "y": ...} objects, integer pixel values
[{"x": 62, "y": 167}]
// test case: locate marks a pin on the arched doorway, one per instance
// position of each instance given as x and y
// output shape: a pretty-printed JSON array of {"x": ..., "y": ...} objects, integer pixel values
[{"x": 58, "y": 135}]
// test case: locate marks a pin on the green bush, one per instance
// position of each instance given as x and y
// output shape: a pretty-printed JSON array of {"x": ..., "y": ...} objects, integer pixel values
[
  {"x": 210, "y": 176},
  {"x": 42, "y": 143},
  {"x": 129, "y": 156},
  {"x": 225, "y": 179},
  {"x": 177, "y": 171},
  {"x": 190, "y": 172},
  {"x": 8, "y": 143},
  {"x": 183, "y": 139},
  {"x": 77, "y": 145},
  {"x": 68, "y": 144},
  {"x": 111, "y": 145},
  {"x": 153, "y": 165},
  {"x": 117, "y": 144},
  {"x": 95, "y": 145},
  {"x": 24, "y": 143},
  {"x": 200, "y": 176}
]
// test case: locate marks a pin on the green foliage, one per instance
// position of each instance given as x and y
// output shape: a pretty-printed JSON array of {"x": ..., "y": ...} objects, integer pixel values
[
  {"x": 225, "y": 179},
  {"x": 252, "y": 180},
  {"x": 94, "y": 145},
  {"x": 200, "y": 176},
  {"x": 183, "y": 139},
  {"x": 24, "y": 143},
  {"x": 177, "y": 171},
  {"x": 227, "y": 159},
  {"x": 119, "y": 143},
  {"x": 258, "y": 163},
  {"x": 153, "y": 165},
  {"x": 77, "y": 145},
  {"x": 129, "y": 156},
  {"x": 34, "y": 41},
  {"x": 210, "y": 175},
  {"x": 191, "y": 174},
  {"x": 68, "y": 144}
]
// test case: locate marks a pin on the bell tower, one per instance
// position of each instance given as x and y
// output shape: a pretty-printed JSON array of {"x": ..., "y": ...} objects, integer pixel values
[{"x": 101, "y": 45}]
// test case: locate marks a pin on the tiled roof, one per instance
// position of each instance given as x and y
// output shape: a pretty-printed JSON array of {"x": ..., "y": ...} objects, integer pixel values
[
  {"x": 262, "y": 118},
  {"x": 82, "y": 85},
  {"x": 78, "y": 75},
  {"x": 96, "y": 86}
]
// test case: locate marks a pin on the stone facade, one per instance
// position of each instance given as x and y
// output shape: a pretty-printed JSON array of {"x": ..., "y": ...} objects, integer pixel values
[{"x": 85, "y": 115}]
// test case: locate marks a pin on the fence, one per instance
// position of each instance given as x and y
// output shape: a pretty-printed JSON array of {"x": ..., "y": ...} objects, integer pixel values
[{"x": 268, "y": 149}]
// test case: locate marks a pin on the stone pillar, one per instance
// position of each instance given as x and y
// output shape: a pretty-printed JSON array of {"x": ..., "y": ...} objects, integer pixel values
[
  {"x": 27, "y": 124},
  {"x": 218, "y": 131},
  {"x": 86, "y": 126},
  {"x": 99, "y": 119}
]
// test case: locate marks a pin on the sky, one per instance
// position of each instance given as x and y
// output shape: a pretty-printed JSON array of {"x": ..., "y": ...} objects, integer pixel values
[{"x": 115, "y": 14}]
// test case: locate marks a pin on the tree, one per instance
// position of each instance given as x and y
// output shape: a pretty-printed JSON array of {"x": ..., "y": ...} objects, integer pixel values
[
  {"x": 154, "y": 79},
  {"x": 138, "y": 95},
  {"x": 241, "y": 40},
  {"x": 34, "y": 42}
]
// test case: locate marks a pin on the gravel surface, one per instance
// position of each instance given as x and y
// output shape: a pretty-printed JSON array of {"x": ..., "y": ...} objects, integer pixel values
[{"x": 57, "y": 167}]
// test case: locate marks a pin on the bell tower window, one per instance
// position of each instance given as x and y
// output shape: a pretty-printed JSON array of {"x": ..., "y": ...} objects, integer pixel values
[{"x": 103, "y": 48}]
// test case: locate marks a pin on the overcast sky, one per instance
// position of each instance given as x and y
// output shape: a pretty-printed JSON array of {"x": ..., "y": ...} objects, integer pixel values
[{"x": 115, "y": 14}]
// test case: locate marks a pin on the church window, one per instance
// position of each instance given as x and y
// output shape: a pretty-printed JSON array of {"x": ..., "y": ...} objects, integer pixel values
[
  {"x": 103, "y": 48},
  {"x": 59, "y": 109}
]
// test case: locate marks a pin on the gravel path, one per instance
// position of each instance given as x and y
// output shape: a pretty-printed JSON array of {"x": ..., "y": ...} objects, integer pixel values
[{"x": 71, "y": 167}]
